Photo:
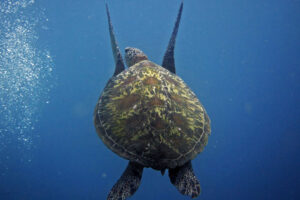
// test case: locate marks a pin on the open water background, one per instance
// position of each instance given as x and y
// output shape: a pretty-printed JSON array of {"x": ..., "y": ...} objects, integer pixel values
[{"x": 241, "y": 58}]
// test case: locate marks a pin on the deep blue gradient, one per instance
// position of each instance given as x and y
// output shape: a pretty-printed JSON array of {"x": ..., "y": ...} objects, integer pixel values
[{"x": 241, "y": 58}]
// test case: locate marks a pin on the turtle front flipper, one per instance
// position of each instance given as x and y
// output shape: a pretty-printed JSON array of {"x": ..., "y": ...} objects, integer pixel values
[
  {"x": 169, "y": 61},
  {"x": 185, "y": 180},
  {"x": 128, "y": 184},
  {"x": 115, "y": 48}
]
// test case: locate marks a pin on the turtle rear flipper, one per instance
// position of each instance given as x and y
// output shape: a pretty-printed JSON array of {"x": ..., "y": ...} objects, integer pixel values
[
  {"x": 185, "y": 180},
  {"x": 128, "y": 184}
]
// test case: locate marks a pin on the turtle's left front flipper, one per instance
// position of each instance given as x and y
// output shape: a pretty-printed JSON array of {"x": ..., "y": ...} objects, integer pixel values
[
  {"x": 128, "y": 184},
  {"x": 115, "y": 48},
  {"x": 185, "y": 180}
]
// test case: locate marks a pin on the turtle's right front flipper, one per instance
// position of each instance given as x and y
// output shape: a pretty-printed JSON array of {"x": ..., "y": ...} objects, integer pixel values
[
  {"x": 169, "y": 61},
  {"x": 128, "y": 184}
]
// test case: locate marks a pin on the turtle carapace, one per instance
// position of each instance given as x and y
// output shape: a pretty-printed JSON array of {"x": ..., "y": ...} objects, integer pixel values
[{"x": 149, "y": 116}]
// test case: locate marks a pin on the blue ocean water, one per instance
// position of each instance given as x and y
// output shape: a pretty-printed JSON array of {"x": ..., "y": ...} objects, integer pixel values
[{"x": 241, "y": 58}]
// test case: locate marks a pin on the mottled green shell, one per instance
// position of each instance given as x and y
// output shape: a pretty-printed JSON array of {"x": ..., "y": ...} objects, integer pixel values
[{"x": 149, "y": 115}]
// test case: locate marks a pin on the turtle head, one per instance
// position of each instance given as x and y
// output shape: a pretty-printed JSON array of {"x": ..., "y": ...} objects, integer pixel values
[{"x": 133, "y": 56}]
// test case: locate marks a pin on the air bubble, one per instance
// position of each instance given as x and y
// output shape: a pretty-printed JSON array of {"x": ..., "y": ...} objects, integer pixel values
[{"x": 25, "y": 73}]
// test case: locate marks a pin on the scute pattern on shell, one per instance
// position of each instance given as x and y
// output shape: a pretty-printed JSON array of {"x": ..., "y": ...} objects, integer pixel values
[{"x": 149, "y": 115}]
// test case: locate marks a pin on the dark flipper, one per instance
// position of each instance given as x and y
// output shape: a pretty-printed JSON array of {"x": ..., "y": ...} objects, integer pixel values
[
  {"x": 128, "y": 184},
  {"x": 168, "y": 61},
  {"x": 185, "y": 180},
  {"x": 116, "y": 51}
]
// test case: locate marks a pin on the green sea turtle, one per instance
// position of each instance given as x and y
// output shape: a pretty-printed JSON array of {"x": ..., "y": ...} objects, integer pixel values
[{"x": 149, "y": 116}]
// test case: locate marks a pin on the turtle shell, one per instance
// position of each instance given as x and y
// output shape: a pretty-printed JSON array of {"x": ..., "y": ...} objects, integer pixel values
[{"x": 149, "y": 115}]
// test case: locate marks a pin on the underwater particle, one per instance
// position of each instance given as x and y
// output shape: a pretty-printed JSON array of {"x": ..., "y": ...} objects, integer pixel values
[
  {"x": 25, "y": 73},
  {"x": 248, "y": 107},
  {"x": 80, "y": 110},
  {"x": 103, "y": 175}
]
